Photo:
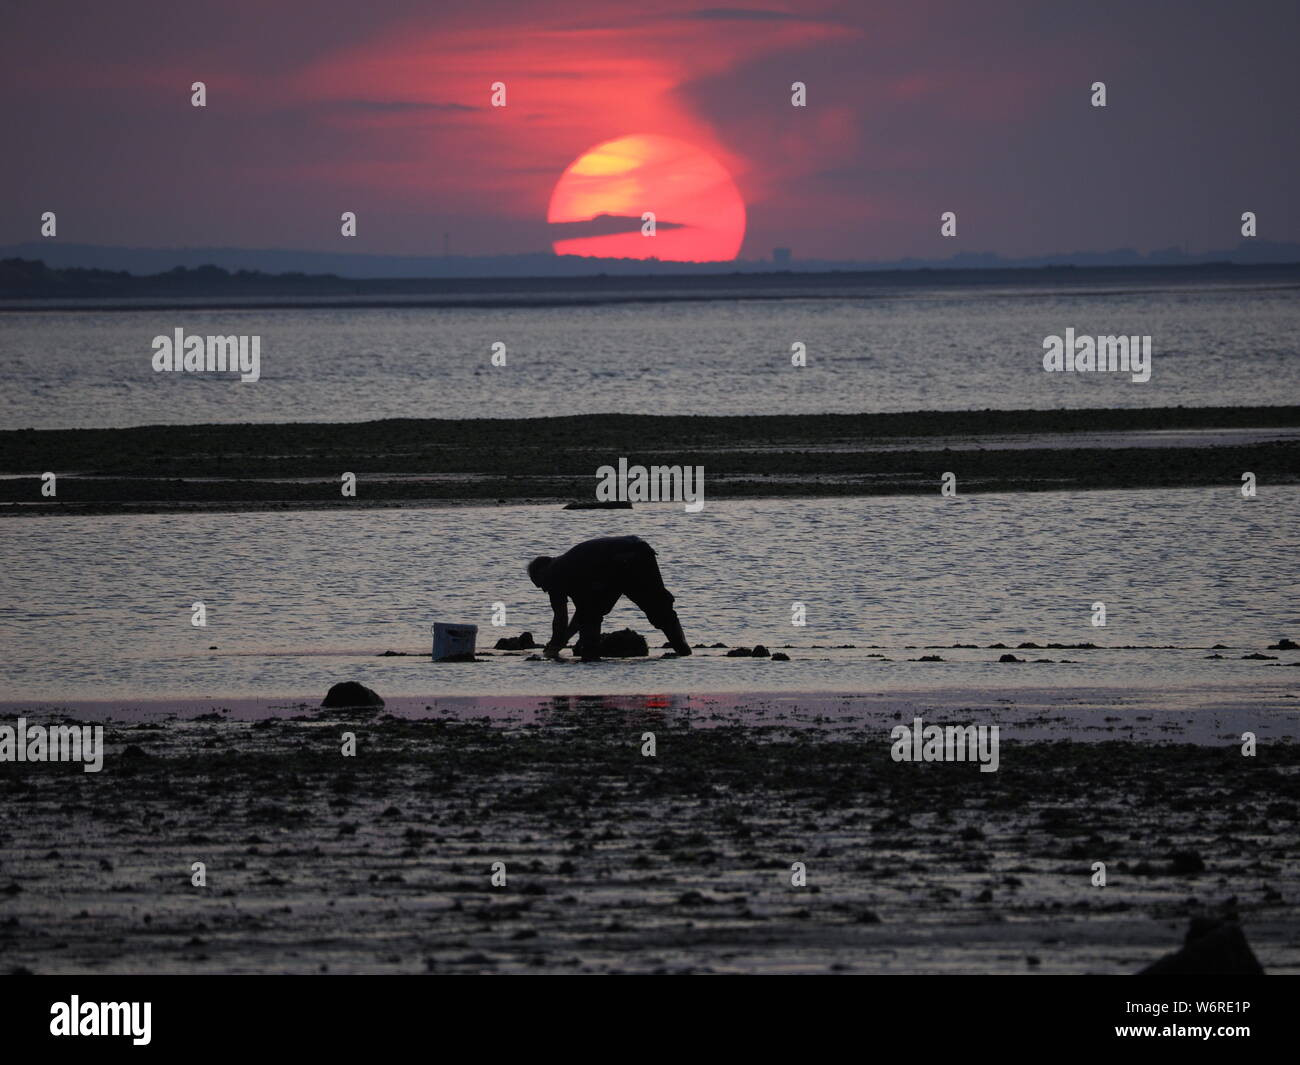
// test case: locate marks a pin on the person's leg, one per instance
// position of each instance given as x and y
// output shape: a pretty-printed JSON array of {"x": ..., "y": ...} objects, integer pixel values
[
  {"x": 589, "y": 614},
  {"x": 645, "y": 587},
  {"x": 588, "y": 645}
]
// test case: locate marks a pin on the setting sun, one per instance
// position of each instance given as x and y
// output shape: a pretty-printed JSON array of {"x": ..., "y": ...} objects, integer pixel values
[{"x": 600, "y": 199}]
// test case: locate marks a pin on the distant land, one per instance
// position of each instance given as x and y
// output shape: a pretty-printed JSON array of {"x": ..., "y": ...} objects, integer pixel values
[
  {"x": 29, "y": 284},
  {"x": 58, "y": 255}
]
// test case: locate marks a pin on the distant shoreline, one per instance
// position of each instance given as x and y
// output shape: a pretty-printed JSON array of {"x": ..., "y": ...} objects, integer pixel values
[
  {"x": 436, "y": 462},
  {"x": 35, "y": 288}
]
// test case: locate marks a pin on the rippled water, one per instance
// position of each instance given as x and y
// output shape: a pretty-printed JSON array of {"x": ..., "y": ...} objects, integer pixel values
[
  {"x": 911, "y": 350},
  {"x": 100, "y": 606}
]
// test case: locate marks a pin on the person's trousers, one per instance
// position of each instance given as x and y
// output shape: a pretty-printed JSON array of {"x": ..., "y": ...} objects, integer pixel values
[{"x": 638, "y": 578}]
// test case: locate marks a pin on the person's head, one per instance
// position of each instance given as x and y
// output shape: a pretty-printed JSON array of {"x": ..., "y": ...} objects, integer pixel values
[{"x": 537, "y": 569}]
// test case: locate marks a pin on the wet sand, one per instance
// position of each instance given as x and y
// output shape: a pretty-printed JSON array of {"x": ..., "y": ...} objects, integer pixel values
[
  {"x": 409, "y": 462},
  {"x": 616, "y": 862}
]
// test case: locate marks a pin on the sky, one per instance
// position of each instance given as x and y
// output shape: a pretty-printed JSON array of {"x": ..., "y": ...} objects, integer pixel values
[{"x": 913, "y": 109}]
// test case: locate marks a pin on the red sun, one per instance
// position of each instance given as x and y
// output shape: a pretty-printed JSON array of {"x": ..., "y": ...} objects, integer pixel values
[{"x": 699, "y": 215}]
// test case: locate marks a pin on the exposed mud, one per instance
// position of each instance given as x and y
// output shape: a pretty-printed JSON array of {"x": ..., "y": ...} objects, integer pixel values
[{"x": 618, "y": 862}]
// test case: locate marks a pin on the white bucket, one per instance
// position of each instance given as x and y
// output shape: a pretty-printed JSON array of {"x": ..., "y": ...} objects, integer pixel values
[{"x": 452, "y": 640}]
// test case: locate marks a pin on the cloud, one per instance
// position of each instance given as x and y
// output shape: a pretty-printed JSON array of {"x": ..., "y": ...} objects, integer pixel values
[
  {"x": 400, "y": 106},
  {"x": 605, "y": 225},
  {"x": 746, "y": 15}
]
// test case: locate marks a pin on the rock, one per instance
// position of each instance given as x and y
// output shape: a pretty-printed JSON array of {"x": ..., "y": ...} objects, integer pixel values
[
  {"x": 625, "y": 643},
  {"x": 760, "y": 651},
  {"x": 692, "y": 898},
  {"x": 780, "y": 656},
  {"x": 1261, "y": 658},
  {"x": 929, "y": 658},
  {"x": 1284, "y": 645},
  {"x": 592, "y": 504},
  {"x": 1184, "y": 863},
  {"x": 348, "y": 694},
  {"x": 740, "y": 652},
  {"x": 1212, "y": 948},
  {"x": 523, "y": 642},
  {"x": 1010, "y": 658}
]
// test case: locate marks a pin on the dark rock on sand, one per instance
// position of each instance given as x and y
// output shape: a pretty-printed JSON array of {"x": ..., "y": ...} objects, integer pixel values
[
  {"x": 1212, "y": 948},
  {"x": 348, "y": 694},
  {"x": 625, "y": 643},
  {"x": 523, "y": 642},
  {"x": 780, "y": 656},
  {"x": 760, "y": 651},
  {"x": 740, "y": 652},
  {"x": 1184, "y": 863},
  {"x": 1284, "y": 645},
  {"x": 592, "y": 504},
  {"x": 1261, "y": 658},
  {"x": 930, "y": 658},
  {"x": 1010, "y": 658}
]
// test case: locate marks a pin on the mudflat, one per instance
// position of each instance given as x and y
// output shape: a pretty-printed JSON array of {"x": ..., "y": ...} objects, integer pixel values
[
  {"x": 619, "y": 862},
  {"x": 423, "y": 462}
]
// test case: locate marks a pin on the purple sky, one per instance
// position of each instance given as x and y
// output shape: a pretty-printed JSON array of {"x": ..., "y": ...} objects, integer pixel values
[{"x": 914, "y": 108}]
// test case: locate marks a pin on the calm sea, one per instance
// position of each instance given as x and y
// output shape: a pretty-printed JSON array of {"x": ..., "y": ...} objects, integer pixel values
[
  {"x": 101, "y": 606},
  {"x": 898, "y": 350}
]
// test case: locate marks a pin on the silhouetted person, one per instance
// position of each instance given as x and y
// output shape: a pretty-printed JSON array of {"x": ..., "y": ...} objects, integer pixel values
[{"x": 595, "y": 575}]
